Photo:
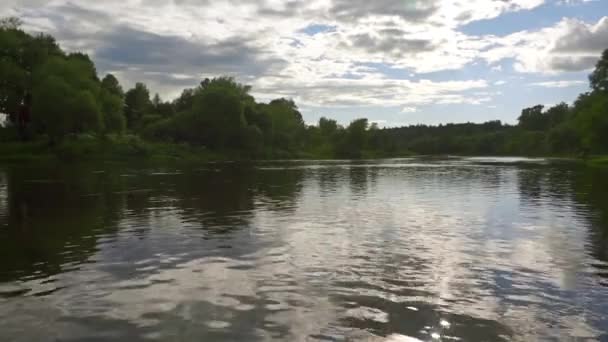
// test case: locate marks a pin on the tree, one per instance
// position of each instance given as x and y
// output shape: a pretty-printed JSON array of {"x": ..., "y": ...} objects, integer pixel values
[
  {"x": 156, "y": 100},
  {"x": 137, "y": 104},
  {"x": 356, "y": 139},
  {"x": 65, "y": 97},
  {"x": 532, "y": 118},
  {"x": 287, "y": 126},
  {"x": 87, "y": 66},
  {"x": 185, "y": 101},
  {"x": 328, "y": 127},
  {"x": 51, "y": 106},
  {"x": 112, "y": 108},
  {"x": 599, "y": 77},
  {"x": 13, "y": 84},
  {"x": 219, "y": 114},
  {"x": 20, "y": 54},
  {"x": 564, "y": 139},
  {"x": 85, "y": 112},
  {"x": 591, "y": 117},
  {"x": 162, "y": 109},
  {"x": 557, "y": 114},
  {"x": 10, "y": 23},
  {"x": 112, "y": 86}
]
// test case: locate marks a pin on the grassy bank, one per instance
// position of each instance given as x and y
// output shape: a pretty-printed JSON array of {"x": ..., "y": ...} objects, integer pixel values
[
  {"x": 132, "y": 148},
  {"x": 598, "y": 161},
  {"x": 111, "y": 148}
]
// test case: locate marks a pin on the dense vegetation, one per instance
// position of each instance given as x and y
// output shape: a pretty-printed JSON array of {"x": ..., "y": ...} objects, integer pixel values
[{"x": 57, "y": 98}]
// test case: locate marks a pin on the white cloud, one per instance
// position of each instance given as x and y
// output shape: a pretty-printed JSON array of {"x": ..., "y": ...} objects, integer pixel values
[
  {"x": 368, "y": 91},
  {"x": 559, "y": 84},
  {"x": 570, "y": 45}
]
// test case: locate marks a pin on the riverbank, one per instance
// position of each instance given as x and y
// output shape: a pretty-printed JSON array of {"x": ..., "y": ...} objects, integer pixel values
[
  {"x": 112, "y": 148},
  {"x": 132, "y": 147},
  {"x": 598, "y": 161}
]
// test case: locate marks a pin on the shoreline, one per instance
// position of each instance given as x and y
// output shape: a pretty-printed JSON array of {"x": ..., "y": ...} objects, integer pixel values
[{"x": 132, "y": 148}]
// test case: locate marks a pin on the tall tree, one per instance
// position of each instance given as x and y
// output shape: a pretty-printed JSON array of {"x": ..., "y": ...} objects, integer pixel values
[
  {"x": 599, "y": 77},
  {"x": 219, "y": 111},
  {"x": 532, "y": 118},
  {"x": 112, "y": 86},
  {"x": 137, "y": 104},
  {"x": 10, "y": 23}
]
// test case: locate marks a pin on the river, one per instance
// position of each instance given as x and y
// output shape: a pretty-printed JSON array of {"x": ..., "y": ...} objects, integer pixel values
[{"x": 450, "y": 249}]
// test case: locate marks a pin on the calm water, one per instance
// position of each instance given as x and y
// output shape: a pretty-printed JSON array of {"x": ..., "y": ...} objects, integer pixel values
[{"x": 435, "y": 249}]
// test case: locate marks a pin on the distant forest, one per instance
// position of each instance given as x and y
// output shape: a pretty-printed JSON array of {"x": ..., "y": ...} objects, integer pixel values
[{"x": 54, "y": 96}]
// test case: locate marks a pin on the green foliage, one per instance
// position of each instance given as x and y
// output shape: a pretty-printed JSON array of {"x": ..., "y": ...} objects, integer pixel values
[
  {"x": 13, "y": 81},
  {"x": 355, "y": 139},
  {"x": 591, "y": 119},
  {"x": 162, "y": 109},
  {"x": 533, "y": 119},
  {"x": 87, "y": 115},
  {"x": 286, "y": 124},
  {"x": 111, "y": 85},
  {"x": 564, "y": 138},
  {"x": 51, "y": 108},
  {"x": 137, "y": 104},
  {"x": 65, "y": 96},
  {"x": 20, "y": 54},
  {"x": 599, "y": 78},
  {"x": 112, "y": 107},
  {"x": 218, "y": 114}
]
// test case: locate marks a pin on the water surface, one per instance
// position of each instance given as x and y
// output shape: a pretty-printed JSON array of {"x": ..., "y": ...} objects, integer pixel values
[{"x": 479, "y": 249}]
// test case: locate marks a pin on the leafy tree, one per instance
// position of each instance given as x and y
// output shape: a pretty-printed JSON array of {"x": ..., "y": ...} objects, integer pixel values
[
  {"x": 112, "y": 108},
  {"x": 599, "y": 78},
  {"x": 328, "y": 127},
  {"x": 111, "y": 85},
  {"x": 162, "y": 109},
  {"x": 564, "y": 138},
  {"x": 87, "y": 66},
  {"x": 185, "y": 101},
  {"x": 218, "y": 113},
  {"x": 13, "y": 84},
  {"x": 355, "y": 140},
  {"x": 10, "y": 23},
  {"x": 137, "y": 104},
  {"x": 20, "y": 54},
  {"x": 557, "y": 114},
  {"x": 253, "y": 139},
  {"x": 51, "y": 106},
  {"x": 532, "y": 118},
  {"x": 86, "y": 112},
  {"x": 70, "y": 108},
  {"x": 287, "y": 124},
  {"x": 591, "y": 117}
]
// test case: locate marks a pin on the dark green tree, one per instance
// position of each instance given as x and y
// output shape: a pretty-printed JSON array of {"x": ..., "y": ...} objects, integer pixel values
[
  {"x": 599, "y": 77},
  {"x": 52, "y": 108},
  {"x": 532, "y": 118},
  {"x": 112, "y": 86},
  {"x": 137, "y": 105},
  {"x": 112, "y": 107},
  {"x": 218, "y": 113}
]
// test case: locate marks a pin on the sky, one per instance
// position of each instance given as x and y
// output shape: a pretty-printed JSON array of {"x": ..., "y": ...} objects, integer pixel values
[{"x": 395, "y": 62}]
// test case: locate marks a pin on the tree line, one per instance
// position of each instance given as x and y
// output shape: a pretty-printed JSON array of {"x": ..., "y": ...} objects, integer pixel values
[{"x": 54, "y": 95}]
